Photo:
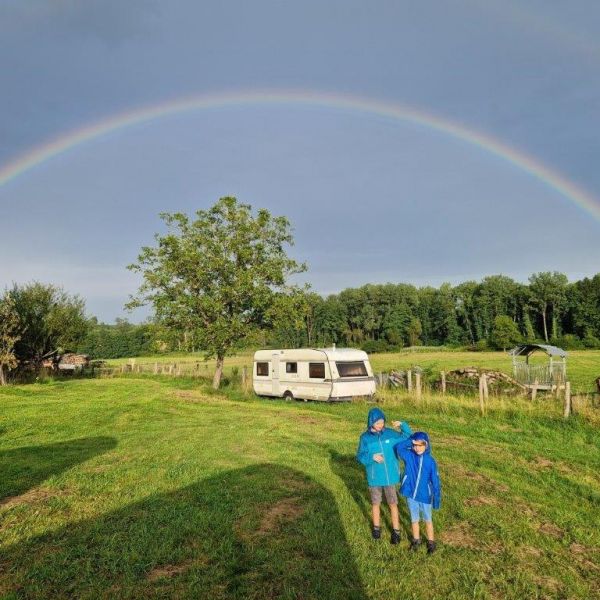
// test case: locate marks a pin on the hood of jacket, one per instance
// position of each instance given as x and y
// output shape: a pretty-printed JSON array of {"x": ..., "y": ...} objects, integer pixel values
[
  {"x": 374, "y": 415},
  {"x": 421, "y": 436}
]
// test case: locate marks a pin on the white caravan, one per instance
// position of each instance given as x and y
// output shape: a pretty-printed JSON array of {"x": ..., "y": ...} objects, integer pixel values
[{"x": 327, "y": 374}]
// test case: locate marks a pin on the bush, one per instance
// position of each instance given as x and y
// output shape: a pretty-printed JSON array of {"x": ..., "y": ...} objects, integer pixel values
[
  {"x": 567, "y": 342},
  {"x": 372, "y": 346}
]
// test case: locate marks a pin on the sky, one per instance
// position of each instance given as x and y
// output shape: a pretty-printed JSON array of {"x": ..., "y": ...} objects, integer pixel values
[{"x": 373, "y": 196}]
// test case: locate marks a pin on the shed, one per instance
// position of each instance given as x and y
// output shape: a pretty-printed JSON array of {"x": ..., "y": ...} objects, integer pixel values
[{"x": 547, "y": 376}]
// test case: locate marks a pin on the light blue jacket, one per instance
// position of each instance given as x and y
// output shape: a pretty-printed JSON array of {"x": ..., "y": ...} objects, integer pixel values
[
  {"x": 420, "y": 481},
  {"x": 371, "y": 442}
]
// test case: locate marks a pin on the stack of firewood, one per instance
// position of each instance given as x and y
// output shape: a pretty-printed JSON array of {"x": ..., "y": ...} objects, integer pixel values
[{"x": 493, "y": 377}]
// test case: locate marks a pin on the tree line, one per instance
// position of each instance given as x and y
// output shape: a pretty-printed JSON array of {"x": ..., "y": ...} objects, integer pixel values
[
  {"x": 220, "y": 280},
  {"x": 493, "y": 313}
]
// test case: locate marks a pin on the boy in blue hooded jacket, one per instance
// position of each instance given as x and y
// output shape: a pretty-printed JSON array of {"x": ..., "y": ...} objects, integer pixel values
[
  {"x": 376, "y": 453},
  {"x": 420, "y": 485}
]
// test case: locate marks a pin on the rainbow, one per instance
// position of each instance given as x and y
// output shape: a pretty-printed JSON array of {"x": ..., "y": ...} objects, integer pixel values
[{"x": 367, "y": 106}]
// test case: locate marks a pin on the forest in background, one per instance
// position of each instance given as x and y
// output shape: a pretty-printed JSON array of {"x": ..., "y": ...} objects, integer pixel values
[{"x": 490, "y": 314}]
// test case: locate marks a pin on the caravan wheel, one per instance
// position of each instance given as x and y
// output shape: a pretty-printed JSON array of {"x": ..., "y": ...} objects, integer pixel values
[{"x": 287, "y": 395}]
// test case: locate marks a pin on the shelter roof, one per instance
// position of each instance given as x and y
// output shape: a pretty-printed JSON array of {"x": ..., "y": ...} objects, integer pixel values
[{"x": 527, "y": 349}]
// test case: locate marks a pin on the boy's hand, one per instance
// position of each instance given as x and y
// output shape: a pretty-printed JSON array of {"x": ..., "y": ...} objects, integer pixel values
[
  {"x": 396, "y": 424},
  {"x": 378, "y": 458}
]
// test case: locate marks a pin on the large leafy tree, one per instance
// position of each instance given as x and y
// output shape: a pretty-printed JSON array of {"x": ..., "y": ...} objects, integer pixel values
[
  {"x": 548, "y": 295},
  {"x": 51, "y": 319},
  {"x": 218, "y": 275},
  {"x": 10, "y": 327}
]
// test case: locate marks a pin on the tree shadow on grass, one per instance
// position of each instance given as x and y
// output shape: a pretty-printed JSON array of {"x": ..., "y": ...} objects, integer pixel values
[
  {"x": 352, "y": 473},
  {"x": 264, "y": 531},
  {"x": 22, "y": 469}
]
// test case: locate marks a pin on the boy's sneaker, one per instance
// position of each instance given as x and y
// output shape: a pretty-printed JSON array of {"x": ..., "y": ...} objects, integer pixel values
[
  {"x": 414, "y": 545},
  {"x": 376, "y": 533},
  {"x": 395, "y": 539},
  {"x": 430, "y": 546}
]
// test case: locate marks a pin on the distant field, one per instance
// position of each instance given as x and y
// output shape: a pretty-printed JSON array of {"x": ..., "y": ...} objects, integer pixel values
[
  {"x": 156, "y": 487},
  {"x": 583, "y": 366}
]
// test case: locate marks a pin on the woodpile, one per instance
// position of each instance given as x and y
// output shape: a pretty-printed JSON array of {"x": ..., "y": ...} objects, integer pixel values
[
  {"x": 397, "y": 378},
  {"x": 494, "y": 378}
]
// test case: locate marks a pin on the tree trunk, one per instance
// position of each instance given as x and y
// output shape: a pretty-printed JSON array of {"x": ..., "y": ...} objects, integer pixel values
[
  {"x": 2, "y": 376},
  {"x": 218, "y": 371},
  {"x": 545, "y": 325}
]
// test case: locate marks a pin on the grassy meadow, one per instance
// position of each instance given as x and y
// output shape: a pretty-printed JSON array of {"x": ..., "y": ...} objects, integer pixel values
[{"x": 157, "y": 487}]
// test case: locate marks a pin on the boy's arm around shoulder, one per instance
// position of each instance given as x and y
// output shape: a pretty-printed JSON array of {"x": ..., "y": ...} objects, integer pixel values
[
  {"x": 436, "y": 484},
  {"x": 405, "y": 431},
  {"x": 362, "y": 454}
]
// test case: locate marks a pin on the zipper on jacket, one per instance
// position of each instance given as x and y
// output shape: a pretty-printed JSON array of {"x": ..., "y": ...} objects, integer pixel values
[
  {"x": 387, "y": 477},
  {"x": 418, "y": 477}
]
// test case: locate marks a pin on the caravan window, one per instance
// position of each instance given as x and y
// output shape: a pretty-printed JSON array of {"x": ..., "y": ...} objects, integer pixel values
[
  {"x": 262, "y": 369},
  {"x": 316, "y": 370},
  {"x": 352, "y": 369},
  {"x": 291, "y": 367}
]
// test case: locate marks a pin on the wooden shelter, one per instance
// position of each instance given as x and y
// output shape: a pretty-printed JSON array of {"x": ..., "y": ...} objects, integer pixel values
[{"x": 544, "y": 377}]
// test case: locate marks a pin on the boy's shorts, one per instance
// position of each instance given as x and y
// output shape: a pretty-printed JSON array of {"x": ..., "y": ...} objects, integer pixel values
[
  {"x": 377, "y": 492},
  {"x": 417, "y": 509}
]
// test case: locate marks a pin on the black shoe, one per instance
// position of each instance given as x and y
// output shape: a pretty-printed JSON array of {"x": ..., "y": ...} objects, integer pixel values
[
  {"x": 376, "y": 533},
  {"x": 414, "y": 545},
  {"x": 430, "y": 546},
  {"x": 395, "y": 539}
]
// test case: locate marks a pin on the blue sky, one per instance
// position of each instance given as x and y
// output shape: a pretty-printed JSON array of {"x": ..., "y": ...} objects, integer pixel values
[{"x": 371, "y": 199}]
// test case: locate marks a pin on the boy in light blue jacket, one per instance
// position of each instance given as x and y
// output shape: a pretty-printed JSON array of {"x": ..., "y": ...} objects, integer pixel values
[
  {"x": 376, "y": 453},
  {"x": 420, "y": 485}
]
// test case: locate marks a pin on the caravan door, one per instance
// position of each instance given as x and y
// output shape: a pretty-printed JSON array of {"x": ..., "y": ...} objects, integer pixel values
[{"x": 275, "y": 374}]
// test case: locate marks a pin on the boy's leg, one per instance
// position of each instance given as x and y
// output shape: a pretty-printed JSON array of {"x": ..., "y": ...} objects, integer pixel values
[
  {"x": 429, "y": 530},
  {"x": 416, "y": 532},
  {"x": 395, "y": 516},
  {"x": 376, "y": 495},
  {"x": 413, "y": 509},
  {"x": 391, "y": 497},
  {"x": 376, "y": 509}
]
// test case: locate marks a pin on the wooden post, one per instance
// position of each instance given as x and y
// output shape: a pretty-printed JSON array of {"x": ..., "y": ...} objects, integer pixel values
[
  {"x": 123, "y": 366},
  {"x": 443, "y": 376},
  {"x": 481, "y": 398},
  {"x": 486, "y": 393},
  {"x": 245, "y": 378},
  {"x": 170, "y": 369},
  {"x": 155, "y": 368},
  {"x": 418, "y": 385},
  {"x": 534, "y": 390},
  {"x": 567, "y": 411},
  {"x": 409, "y": 380},
  {"x": 380, "y": 379}
]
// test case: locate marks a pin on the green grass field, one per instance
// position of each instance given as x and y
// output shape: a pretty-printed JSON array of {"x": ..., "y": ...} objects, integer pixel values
[
  {"x": 583, "y": 366},
  {"x": 155, "y": 487}
]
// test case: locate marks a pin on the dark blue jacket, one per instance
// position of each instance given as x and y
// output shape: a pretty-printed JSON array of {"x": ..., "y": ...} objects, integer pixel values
[
  {"x": 421, "y": 481},
  {"x": 387, "y": 472}
]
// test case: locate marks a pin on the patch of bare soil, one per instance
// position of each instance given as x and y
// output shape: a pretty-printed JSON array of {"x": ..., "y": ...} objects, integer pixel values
[
  {"x": 548, "y": 584},
  {"x": 530, "y": 551},
  {"x": 35, "y": 496},
  {"x": 543, "y": 463},
  {"x": 460, "y": 536},
  {"x": 169, "y": 571},
  {"x": 552, "y": 530},
  {"x": 281, "y": 512},
  {"x": 482, "y": 501}
]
